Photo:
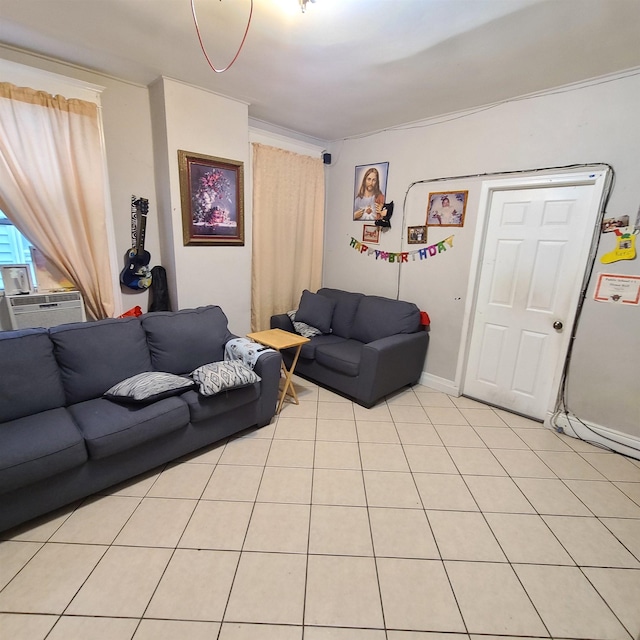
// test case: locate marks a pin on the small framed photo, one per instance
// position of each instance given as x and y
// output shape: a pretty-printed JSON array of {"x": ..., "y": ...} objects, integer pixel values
[
  {"x": 16, "y": 279},
  {"x": 417, "y": 235},
  {"x": 370, "y": 234},
  {"x": 611, "y": 224},
  {"x": 447, "y": 208},
  {"x": 212, "y": 199}
]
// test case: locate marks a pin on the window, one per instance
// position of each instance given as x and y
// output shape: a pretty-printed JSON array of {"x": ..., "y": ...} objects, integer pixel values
[{"x": 14, "y": 247}]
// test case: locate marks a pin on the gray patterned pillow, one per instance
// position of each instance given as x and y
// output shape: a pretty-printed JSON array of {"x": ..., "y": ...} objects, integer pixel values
[
  {"x": 219, "y": 376},
  {"x": 148, "y": 386},
  {"x": 302, "y": 328}
]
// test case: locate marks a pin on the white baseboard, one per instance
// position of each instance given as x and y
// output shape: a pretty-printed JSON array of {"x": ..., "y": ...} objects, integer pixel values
[
  {"x": 623, "y": 443},
  {"x": 439, "y": 384}
]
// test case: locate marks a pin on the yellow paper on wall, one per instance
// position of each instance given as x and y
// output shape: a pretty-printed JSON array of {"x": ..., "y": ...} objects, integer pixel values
[{"x": 625, "y": 248}]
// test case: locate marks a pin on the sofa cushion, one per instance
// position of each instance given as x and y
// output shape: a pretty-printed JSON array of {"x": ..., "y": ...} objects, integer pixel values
[
  {"x": 38, "y": 447},
  {"x": 204, "y": 407},
  {"x": 110, "y": 427},
  {"x": 308, "y": 350},
  {"x": 378, "y": 318},
  {"x": 302, "y": 328},
  {"x": 182, "y": 341},
  {"x": 30, "y": 381},
  {"x": 93, "y": 356},
  {"x": 215, "y": 377},
  {"x": 149, "y": 387},
  {"x": 316, "y": 310},
  {"x": 345, "y": 311},
  {"x": 343, "y": 357}
]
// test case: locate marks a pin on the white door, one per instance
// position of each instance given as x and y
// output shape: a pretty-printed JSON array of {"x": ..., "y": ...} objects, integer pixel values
[{"x": 535, "y": 252}]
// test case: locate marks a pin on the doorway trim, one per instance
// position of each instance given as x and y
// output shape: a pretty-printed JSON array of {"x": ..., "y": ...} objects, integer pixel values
[{"x": 597, "y": 176}]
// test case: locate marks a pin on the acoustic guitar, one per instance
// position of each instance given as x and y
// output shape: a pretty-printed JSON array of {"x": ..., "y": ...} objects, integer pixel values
[{"x": 136, "y": 274}]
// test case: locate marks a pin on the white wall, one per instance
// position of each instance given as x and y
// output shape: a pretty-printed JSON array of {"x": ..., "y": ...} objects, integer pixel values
[
  {"x": 129, "y": 148},
  {"x": 199, "y": 121},
  {"x": 144, "y": 128},
  {"x": 595, "y": 123}
]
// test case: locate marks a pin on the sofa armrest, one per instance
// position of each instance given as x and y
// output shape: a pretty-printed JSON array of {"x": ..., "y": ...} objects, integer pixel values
[
  {"x": 390, "y": 363},
  {"x": 268, "y": 368},
  {"x": 282, "y": 321}
]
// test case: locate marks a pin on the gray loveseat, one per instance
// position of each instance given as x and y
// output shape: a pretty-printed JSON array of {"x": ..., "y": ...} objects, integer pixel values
[
  {"x": 369, "y": 347},
  {"x": 61, "y": 440}
]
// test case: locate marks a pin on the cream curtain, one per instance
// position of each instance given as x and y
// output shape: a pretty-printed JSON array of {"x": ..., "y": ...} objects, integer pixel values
[
  {"x": 52, "y": 186},
  {"x": 288, "y": 230}
]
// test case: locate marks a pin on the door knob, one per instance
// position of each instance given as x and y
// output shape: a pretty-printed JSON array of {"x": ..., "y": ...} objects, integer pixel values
[{"x": 557, "y": 325}]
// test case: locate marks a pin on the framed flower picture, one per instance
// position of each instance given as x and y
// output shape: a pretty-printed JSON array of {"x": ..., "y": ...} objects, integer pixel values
[{"x": 212, "y": 199}]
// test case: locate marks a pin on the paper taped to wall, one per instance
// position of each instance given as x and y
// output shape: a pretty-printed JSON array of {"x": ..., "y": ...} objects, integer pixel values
[{"x": 617, "y": 289}]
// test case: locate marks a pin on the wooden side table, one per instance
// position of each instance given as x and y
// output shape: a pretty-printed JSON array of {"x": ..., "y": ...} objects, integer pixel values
[{"x": 279, "y": 339}]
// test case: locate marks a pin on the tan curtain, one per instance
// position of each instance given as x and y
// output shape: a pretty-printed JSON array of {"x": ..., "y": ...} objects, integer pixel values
[
  {"x": 52, "y": 186},
  {"x": 288, "y": 230}
]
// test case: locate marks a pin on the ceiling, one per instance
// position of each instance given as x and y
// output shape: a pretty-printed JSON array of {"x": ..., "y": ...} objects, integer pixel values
[{"x": 342, "y": 68}]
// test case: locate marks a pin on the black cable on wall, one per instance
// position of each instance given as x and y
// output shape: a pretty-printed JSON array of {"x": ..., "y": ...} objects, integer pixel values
[{"x": 562, "y": 403}]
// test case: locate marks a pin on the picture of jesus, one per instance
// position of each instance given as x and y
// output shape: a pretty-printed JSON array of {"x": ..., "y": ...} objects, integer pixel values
[{"x": 369, "y": 194}]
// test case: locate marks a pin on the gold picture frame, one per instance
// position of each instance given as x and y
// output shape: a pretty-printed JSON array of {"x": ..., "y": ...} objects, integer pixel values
[
  {"x": 417, "y": 235},
  {"x": 212, "y": 200},
  {"x": 370, "y": 234},
  {"x": 447, "y": 208}
]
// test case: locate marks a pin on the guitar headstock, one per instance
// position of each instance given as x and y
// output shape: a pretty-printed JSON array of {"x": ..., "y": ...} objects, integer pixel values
[{"x": 142, "y": 206}]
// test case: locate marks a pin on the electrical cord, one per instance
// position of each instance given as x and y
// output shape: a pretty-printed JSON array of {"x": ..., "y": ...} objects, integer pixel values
[
  {"x": 487, "y": 175},
  {"x": 204, "y": 51},
  {"x": 562, "y": 404},
  {"x": 562, "y": 401}
]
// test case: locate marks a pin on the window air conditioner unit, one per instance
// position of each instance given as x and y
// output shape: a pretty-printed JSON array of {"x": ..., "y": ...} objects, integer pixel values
[{"x": 43, "y": 310}]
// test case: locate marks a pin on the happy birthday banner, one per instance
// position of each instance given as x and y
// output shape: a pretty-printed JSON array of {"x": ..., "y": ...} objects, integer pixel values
[{"x": 403, "y": 256}]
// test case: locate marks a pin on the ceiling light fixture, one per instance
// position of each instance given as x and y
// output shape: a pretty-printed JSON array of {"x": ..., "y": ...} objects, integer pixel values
[
  {"x": 303, "y": 4},
  {"x": 244, "y": 37}
]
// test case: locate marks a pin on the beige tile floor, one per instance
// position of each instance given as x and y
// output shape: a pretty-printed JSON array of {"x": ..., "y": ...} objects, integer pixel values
[{"x": 427, "y": 517}]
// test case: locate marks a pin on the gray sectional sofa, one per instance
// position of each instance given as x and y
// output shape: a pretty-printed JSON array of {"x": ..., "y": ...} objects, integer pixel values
[
  {"x": 61, "y": 439},
  {"x": 366, "y": 348}
]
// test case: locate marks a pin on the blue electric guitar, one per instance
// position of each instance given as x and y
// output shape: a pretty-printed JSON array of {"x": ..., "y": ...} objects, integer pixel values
[{"x": 136, "y": 274}]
